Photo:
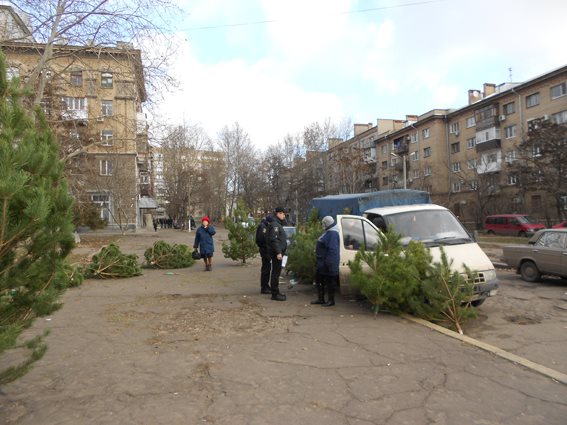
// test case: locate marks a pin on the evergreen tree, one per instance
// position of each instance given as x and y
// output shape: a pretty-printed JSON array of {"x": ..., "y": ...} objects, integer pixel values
[
  {"x": 111, "y": 263},
  {"x": 301, "y": 253},
  {"x": 36, "y": 228},
  {"x": 165, "y": 256},
  {"x": 241, "y": 236}
]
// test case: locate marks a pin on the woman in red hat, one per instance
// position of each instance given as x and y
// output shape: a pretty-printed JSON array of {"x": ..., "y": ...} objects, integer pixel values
[{"x": 204, "y": 241}]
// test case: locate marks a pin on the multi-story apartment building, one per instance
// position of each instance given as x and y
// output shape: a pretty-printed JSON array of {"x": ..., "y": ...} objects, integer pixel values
[
  {"x": 92, "y": 97},
  {"x": 460, "y": 156}
]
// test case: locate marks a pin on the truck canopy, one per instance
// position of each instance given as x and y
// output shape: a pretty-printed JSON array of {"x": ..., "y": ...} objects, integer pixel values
[{"x": 357, "y": 203}]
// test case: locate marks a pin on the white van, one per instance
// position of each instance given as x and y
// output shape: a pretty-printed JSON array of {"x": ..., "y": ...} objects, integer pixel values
[{"x": 431, "y": 224}]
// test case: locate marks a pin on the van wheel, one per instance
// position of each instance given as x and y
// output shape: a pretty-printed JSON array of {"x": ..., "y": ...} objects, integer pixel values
[
  {"x": 529, "y": 272},
  {"x": 477, "y": 303},
  {"x": 522, "y": 234}
]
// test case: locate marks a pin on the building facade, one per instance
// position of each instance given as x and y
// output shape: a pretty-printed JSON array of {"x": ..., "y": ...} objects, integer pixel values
[{"x": 92, "y": 97}]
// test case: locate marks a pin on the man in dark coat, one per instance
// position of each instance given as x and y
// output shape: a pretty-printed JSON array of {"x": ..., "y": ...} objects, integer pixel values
[
  {"x": 327, "y": 253},
  {"x": 261, "y": 241},
  {"x": 277, "y": 246}
]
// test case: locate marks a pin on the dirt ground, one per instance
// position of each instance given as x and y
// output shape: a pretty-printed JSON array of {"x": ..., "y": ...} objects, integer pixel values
[{"x": 189, "y": 346}]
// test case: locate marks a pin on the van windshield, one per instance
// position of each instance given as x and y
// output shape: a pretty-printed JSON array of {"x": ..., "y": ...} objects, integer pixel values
[
  {"x": 432, "y": 227},
  {"x": 526, "y": 219}
]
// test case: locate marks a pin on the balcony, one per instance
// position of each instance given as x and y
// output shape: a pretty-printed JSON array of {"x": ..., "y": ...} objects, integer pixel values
[
  {"x": 401, "y": 148},
  {"x": 489, "y": 167},
  {"x": 80, "y": 115}
]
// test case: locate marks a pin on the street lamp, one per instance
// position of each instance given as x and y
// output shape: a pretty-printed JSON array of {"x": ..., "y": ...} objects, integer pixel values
[{"x": 404, "y": 158}]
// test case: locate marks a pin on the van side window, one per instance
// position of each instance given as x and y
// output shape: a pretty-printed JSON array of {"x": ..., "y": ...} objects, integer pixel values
[
  {"x": 371, "y": 237},
  {"x": 353, "y": 235}
]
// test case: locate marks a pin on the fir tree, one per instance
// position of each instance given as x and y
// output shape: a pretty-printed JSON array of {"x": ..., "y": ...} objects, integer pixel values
[
  {"x": 36, "y": 229},
  {"x": 301, "y": 253},
  {"x": 111, "y": 263},
  {"x": 242, "y": 242},
  {"x": 165, "y": 256}
]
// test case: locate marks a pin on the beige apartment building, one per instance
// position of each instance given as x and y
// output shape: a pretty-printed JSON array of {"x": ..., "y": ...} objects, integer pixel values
[
  {"x": 92, "y": 97},
  {"x": 459, "y": 156}
]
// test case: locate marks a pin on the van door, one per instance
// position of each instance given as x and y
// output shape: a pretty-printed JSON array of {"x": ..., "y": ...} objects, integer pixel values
[{"x": 355, "y": 232}]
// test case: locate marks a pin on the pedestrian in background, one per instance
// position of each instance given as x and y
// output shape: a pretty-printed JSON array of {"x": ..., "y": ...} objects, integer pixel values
[
  {"x": 327, "y": 253},
  {"x": 204, "y": 241},
  {"x": 277, "y": 247},
  {"x": 261, "y": 242}
]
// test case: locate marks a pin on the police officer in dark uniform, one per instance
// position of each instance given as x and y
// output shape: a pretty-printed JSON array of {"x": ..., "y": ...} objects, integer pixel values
[
  {"x": 262, "y": 242},
  {"x": 277, "y": 246}
]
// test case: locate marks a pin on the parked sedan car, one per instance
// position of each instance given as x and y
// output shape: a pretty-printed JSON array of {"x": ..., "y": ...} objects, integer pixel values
[
  {"x": 545, "y": 254},
  {"x": 562, "y": 225}
]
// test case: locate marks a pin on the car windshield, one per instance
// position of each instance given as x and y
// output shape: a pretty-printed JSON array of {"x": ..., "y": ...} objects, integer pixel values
[
  {"x": 525, "y": 219},
  {"x": 432, "y": 227}
]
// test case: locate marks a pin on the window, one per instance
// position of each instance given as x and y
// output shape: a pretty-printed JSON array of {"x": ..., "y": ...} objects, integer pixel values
[
  {"x": 102, "y": 200},
  {"x": 532, "y": 100},
  {"x": 455, "y": 128},
  {"x": 559, "y": 117},
  {"x": 414, "y": 156},
  {"x": 456, "y": 167},
  {"x": 455, "y": 147},
  {"x": 74, "y": 103},
  {"x": 511, "y": 156},
  {"x": 414, "y": 137},
  {"x": 426, "y": 152},
  {"x": 471, "y": 164},
  {"x": 558, "y": 91},
  {"x": 384, "y": 149},
  {"x": 106, "y": 107},
  {"x": 471, "y": 122},
  {"x": 510, "y": 131},
  {"x": 385, "y": 181},
  {"x": 512, "y": 179},
  {"x": 456, "y": 186},
  {"x": 106, "y": 80},
  {"x": 357, "y": 234},
  {"x": 74, "y": 134},
  {"x": 471, "y": 143},
  {"x": 473, "y": 184},
  {"x": 384, "y": 165},
  {"x": 427, "y": 171},
  {"x": 426, "y": 132},
  {"x": 536, "y": 151},
  {"x": 105, "y": 167},
  {"x": 509, "y": 108},
  {"x": 106, "y": 137},
  {"x": 76, "y": 78},
  {"x": 534, "y": 124},
  {"x": 563, "y": 200},
  {"x": 415, "y": 174},
  {"x": 491, "y": 158},
  {"x": 12, "y": 72}
]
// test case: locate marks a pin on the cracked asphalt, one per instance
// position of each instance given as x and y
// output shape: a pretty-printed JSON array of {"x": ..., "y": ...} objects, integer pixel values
[{"x": 196, "y": 347}]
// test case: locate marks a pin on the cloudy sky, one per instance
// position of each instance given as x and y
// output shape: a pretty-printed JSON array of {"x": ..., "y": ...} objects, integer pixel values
[{"x": 276, "y": 66}]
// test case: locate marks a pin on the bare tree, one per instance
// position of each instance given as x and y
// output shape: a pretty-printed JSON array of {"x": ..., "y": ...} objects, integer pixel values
[
  {"x": 182, "y": 150},
  {"x": 236, "y": 147},
  {"x": 93, "y": 25}
]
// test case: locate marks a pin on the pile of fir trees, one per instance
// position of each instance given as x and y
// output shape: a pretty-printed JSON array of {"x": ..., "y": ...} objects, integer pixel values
[{"x": 111, "y": 263}]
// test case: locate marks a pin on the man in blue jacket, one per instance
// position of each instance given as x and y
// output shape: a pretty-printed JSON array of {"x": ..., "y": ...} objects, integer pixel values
[{"x": 327, "y": 253}]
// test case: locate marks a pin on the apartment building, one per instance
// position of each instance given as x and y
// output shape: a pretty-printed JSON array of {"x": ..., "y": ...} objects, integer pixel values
[
  {"x": 92, "y": 97},
  {"x": 460, "y": 156}
]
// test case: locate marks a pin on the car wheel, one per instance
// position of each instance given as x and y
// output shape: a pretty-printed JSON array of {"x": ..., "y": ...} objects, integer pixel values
[
  {"x": 529, "y": 272},
  {"x": 522, "y": 234},
  {"x": 478, "y": 303},
  {"x": 490, "y": 232}
]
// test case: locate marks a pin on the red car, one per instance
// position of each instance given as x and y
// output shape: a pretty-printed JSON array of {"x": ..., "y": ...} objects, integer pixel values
[{"x": 562, "y": 225}]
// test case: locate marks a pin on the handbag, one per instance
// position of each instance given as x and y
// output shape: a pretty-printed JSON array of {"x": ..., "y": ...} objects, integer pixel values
[{"x": 196, "y": 255}]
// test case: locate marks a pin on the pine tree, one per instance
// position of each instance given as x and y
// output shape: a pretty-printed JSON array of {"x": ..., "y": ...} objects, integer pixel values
[
  {"x": 111, "y": 263},
  {"x": 36, "y": 229},
  {"x": 165, "y": 256},
  {"x": 301, "y": 253},
  {"x": 242, "y": 242}
]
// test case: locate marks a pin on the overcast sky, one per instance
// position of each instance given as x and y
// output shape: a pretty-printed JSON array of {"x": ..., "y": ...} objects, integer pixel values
[{"x": 363, "y": 59}]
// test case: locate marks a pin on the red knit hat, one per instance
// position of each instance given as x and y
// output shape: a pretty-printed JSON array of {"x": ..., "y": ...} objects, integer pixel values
[{"x": 205, "y": 218}]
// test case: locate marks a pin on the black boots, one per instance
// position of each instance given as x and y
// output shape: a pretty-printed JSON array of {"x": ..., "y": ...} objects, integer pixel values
[
  {"x": 279, "y": 297},
  {"x": 320, "y": 295},
  {"x": 331, "y": 291}
]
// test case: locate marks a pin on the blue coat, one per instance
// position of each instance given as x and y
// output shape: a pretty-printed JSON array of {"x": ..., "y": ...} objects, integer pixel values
[
  {"x": 204, "y": 240},
  {"x": 327, "y": 252}
]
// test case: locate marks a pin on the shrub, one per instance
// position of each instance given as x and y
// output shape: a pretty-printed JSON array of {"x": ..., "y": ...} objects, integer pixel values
[{"x": 301, "y": 253}]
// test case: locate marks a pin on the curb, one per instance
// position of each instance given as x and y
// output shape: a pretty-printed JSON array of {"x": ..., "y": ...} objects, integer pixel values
[{"x": 553, "y": 374}]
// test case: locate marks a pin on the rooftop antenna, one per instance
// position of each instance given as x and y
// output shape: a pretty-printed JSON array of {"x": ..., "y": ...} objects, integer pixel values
[{"x": 510, "y": 73}]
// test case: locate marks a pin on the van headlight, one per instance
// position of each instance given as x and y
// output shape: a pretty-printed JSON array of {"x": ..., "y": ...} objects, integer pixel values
[{"x": 489, "y": 275}]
